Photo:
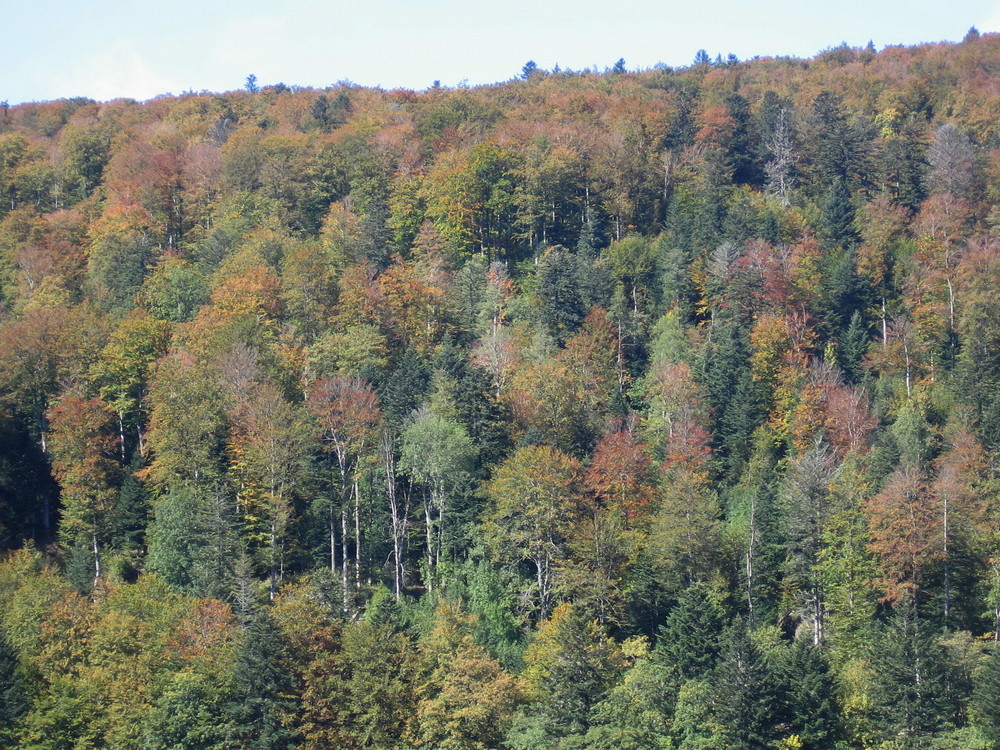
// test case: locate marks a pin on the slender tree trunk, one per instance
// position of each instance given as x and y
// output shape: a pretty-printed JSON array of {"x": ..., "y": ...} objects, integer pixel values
[
  {"x": 274, "y": 559},
  {"x": 885, "y": 323},
  {"x": 398, "y": 529},
  {"x": 332, "y": 518},
  {"x": 121, "y": 435},
  {"x": 345, "y": 586},
  {"x": 906, "y": 355},
  {"x": 438, "y": 498},
  {"x": 542, "y": 577},
  {"x": 751, "y": 549},
  {"x": 43, "y": 425},
  {"x": 818, "y": 620},
  {"x": 97, "y": 558},
  {"x": 947, "y": 562},
  {"x": 397, "y": 567},
  {"x": 357, "y": 534},
  {"x": 332, "y": 524},
  {"x": 430, "y": 541},
  {"x": 951, "y": 308}
]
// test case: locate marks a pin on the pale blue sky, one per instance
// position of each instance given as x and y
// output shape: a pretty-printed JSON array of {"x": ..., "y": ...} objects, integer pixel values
[{"x": 113, "y": 48}]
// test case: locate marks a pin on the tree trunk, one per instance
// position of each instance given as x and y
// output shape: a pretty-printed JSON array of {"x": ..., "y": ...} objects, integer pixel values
[
  {"x": 274, "y": 557},
  {"x": 751, "y": 546},
  {"x": 357, "y": 534},
  {"x": 885, "y": 323},
  {"x": 947, "y": 563},
  {"x": 438, "y": 497},
  {"x": 332, "y": 518},
  {"x": 121, "y": 435},
  {"x": 542, "y": 577},
  {"x": 818, "y": 623},
  {"x": 345, "y": 586},
  {"x": 430, "y": 542},
  {"x": 398, "y": 524},
  {"x": 97, "y": 558}
]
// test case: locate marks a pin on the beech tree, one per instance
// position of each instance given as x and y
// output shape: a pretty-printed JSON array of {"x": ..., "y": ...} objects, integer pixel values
[
  {"x": 122, "y": 372},
  {"x": 902, "y": 526},
  {"x": 348, "y": 415},
  {"x": 467, "y": 700},
  {"x": 83, "y": 463},
  {"x": 268, "y": 453},
  {"x": 186, "y": 424},
  {"x": 535, "y": 501},
  {"x": 437, "y": 453}
]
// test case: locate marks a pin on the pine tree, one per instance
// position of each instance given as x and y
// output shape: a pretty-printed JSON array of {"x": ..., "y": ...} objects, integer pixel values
[
  {"x": 837, "y": 227},
  {"x": 691, "y": 640},
  {"x": 986, "y": 699},
  {"x": 131, "y": 516},
  {"x": 811, "y": 705},
  {"x": 911, "y": 674},
  {"x": 749, "y": 696},
  {"x": 561, "y": 305},
  {"x": 262, "y": 694},
  {"x": 741, "y": 417},
  {"x": 807, "y": 507},
  {"x": 853, "y": 347},
  {"x": 405, "y": 388},
  {"x": 14, "y": 702}
]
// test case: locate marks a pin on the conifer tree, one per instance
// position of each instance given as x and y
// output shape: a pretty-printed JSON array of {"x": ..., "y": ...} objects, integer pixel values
[
  {"x": 750, "y": 698},
  {"x": 13, "y": 696},
  {"x": 261, "y": 694},
  {"x": 691, "y": 639},
  {"x": 911, "y": 673},
  {"x": 986, "y": 699},
  {"x": 811, "y": 704}
]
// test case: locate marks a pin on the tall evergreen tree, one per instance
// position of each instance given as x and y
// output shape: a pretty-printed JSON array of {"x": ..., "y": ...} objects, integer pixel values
[
  {"x": 561, "y": 304},
  {"x": 14, "y": 702},
  {"x": 837, "y": 222},
  {"x": 406, "y": 388},
  {"x": 811, "y": 697},
  {"x": 262, "y": 694},
  {"x": 986, "y": 699},
  {"x": 853, "y": 347},
  {"x": 750, "y": 698},
  {"x": 691, "y": 639},
  {"x": 911, "y": 675}
]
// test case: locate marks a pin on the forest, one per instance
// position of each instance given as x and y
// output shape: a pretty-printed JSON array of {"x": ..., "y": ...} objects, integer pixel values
[{"x": 621, "y": 410}]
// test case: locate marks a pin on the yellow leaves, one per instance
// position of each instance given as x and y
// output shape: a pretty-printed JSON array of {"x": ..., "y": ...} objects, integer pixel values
[
  {"x": 888, "y": 121},
  {"x": 792, "y": 742},
  {"x": 65, "y": 632},
  {"x": 858, "y": 702},
  {"x": 552, "y": 399},
  {"x": 416, "y": 304},
  {"x": 770, "y": 344},
  {"x": 119, "y": 219},
  {"x": 254, "y": 292},
  {"x": 341, "y": 235},
  {"x": 122, "y": 369},
  {"x": 304, "y": 621},
  {"x": 536, "y": 498},
  {"x": 543, "y": 651}
]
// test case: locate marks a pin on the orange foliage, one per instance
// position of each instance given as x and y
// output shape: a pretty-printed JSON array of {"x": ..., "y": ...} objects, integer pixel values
[
  {"x": 621, "y": 473},
  {"x": 902, "y": 526}
]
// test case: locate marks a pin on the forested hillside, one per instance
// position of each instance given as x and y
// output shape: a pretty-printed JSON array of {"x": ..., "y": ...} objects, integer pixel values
[{"x": 612, "y": 411}]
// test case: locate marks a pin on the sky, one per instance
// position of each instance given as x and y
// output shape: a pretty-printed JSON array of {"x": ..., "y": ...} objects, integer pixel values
[{"x": 107, "y": 49}]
